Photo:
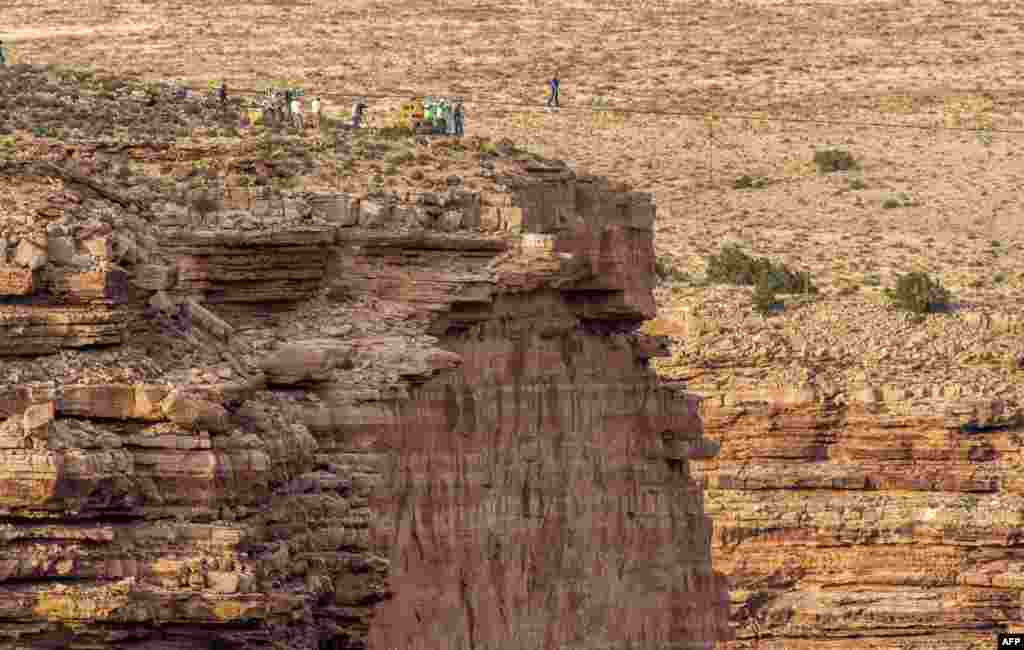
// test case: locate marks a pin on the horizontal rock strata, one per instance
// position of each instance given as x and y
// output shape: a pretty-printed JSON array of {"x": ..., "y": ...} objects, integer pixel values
[
  {"x": 852, "y": 518},
  {"x": 414, "y": 438}
]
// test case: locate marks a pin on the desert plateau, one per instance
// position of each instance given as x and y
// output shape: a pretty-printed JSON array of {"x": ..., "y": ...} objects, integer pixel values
[{"x": 722, "y": 352}]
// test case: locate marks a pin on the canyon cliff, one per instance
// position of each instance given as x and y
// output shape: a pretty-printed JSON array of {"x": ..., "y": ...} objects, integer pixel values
[{"x": 359, "y": 424}]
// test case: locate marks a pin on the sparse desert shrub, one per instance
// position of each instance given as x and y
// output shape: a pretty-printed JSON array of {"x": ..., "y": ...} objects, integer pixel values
[
  {"x": 901, "y": 200},
  {"x": 750, "y": 182},
  {"x": 488, "y": 148},
  {"x": 375, "y": 185},
  {"x": 834, "y": 159},
  {"x": 872, "y": 280},
  {"x": 344, "y": 167},
  {"x": 733, "y": 266},
  {"x": 1000, "y": 278},
  {"x": 916, "y": 292},
  {"x": 765, "y": 300},
  {"x": 666, "y": 270},
  {"x": 857, "y": 183},
  {"x": 400, "y": 157}
]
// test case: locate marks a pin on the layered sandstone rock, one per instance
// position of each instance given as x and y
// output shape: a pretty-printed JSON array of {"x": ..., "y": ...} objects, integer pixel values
[
  {"x": 415, "y": 438},
  {"x": 865, "y": 494},
  {"x": 866, "y": 520}
]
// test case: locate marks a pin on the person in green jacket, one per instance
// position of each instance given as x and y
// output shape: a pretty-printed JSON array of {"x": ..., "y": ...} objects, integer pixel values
[
  {"x": 428, "y": 110},
  {"x": 441, "y": 124}
]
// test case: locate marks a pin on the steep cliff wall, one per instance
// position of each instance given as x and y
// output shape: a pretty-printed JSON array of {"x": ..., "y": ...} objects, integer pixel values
[
  {"x": 864, "y": 496},
  {"x": 345, "y": 431}
]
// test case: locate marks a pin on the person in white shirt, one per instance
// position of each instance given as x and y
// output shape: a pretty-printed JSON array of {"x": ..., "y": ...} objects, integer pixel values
[
  {"x": 297, "y": 113},
  {"x": 316, "y": 112}
]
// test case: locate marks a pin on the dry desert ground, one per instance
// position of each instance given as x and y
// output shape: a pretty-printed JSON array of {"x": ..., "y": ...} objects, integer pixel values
[{"x": 926, "y": 96}]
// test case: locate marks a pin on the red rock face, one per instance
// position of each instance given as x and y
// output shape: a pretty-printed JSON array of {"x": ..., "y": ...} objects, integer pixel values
[
  {"x": 538, "y": 495},
  {"x": 534, "y": 499}
]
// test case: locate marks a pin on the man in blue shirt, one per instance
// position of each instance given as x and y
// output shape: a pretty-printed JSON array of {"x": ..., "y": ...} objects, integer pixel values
[{"x": 553, "y": 97}]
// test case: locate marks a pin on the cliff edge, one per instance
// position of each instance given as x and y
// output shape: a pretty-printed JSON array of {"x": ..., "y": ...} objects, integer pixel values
[{"x": 341, "y": 422}]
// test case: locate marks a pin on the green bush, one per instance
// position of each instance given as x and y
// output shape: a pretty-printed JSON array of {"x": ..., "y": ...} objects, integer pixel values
[
  {"x": 8, "y": 145},
  {"x": 857, "y": 184},
  {"x": 916, "y": 292},
  {"x": 733, "y": 266},
  {"x": 750, "y": 182},
  {"x": 901, "y": 200},
  {"x": 765, "y": 301},
  {"x": 834, "y": 159},
  {"x": 488, "y": 148}
]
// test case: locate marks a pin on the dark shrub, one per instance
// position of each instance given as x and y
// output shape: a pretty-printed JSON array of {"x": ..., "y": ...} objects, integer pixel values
[
  {"x": 834, "y": 159},
  {"x": 733, "y": 266},
  {"x": 765, "y": 301},
  {"x": 746, "y": 182},
  {"x": 918, "y": 293}
]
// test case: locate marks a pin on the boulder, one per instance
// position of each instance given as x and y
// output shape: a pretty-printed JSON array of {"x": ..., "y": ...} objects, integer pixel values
[
  {"x": 61, "y": 250},
  {"x": 37, "y": 418},
  {"x": 306, "y": 362},
  {"x": 30, "y": 254},
  {"x": 194, "y": 413}
]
